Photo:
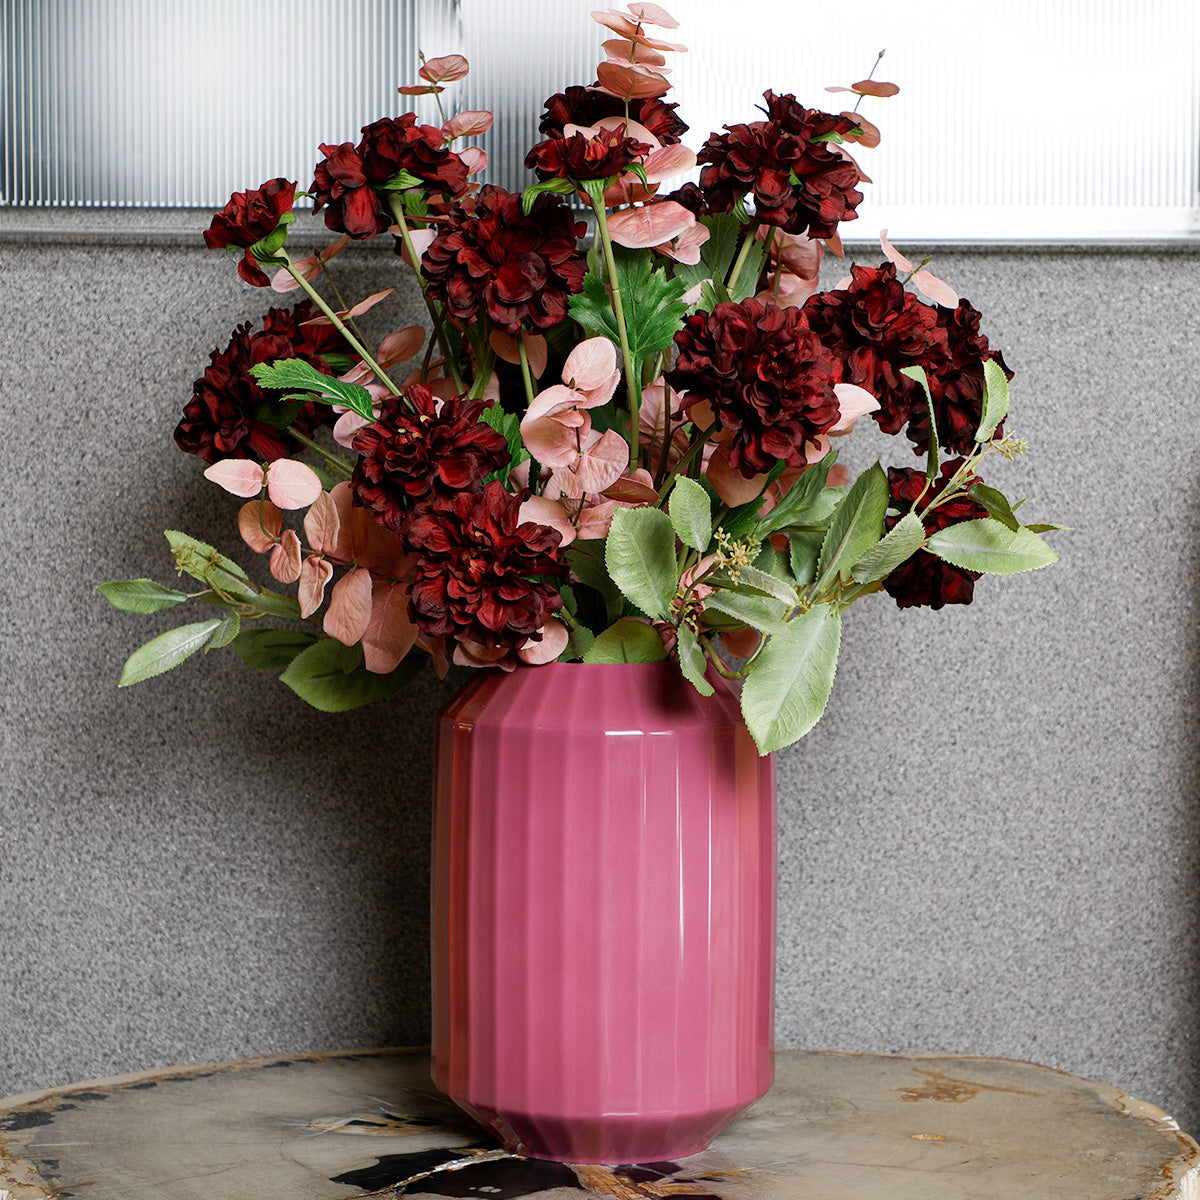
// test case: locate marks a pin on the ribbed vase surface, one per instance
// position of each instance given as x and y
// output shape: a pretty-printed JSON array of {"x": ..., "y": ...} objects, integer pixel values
[{"x": 604, "y": 911}]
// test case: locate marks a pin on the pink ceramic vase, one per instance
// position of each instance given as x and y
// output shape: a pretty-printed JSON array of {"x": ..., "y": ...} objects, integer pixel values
[{"x": 604, "y": 911}]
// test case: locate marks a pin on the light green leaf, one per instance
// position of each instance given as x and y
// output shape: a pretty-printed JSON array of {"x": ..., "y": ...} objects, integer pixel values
[
  {"x": 989, "y": 546},
  {"x": 582, "y": 640},
  {"x": 995, "y": 399},
  {"x": 228, "y": 628},
  {"x": 753, "y": 580},
  {"x": 290, "y": 373},
  {"x": 856, "y": 526},
  {"x": 586, "y": 558},
  {"x": 563, "y": 187},
  {"x": 898, "y": 545},
  {"x": 140, "y": 595},
  {"x": 400, "y": 182},
  {"x": 166, "y": 651},
  {"x": 331, "y": 677},
  {"x": 271, "y": 649},
  {"x": 800, "y": 498},
  {"x": 789, "y": 684},
  {"x": 201, "y": 561},
  {"x": 640, "y": 556},
  {"x": 931, "y": 468},
  {"x": 692, "y": 660},
  {"x": 759, "y": 612},
  {"x": 804, "y": 550},
  {"x": 691, "y": 513},
  {"x": 996, "y": 502},
  {"x": 627, "y": 641},
  {"x": 508, "y": 424}
]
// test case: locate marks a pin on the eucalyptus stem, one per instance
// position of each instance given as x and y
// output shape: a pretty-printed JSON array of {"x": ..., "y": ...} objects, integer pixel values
[
  {"x": 686, "y": 461},
  {"x": 334, "y": 460},
  {"x": 743, "y": 254},
  {"x": 439, "y": 329},
  {"x": 633, "y": 384}
]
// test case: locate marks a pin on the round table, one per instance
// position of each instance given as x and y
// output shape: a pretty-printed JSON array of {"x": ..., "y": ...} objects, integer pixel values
[{"x": 370, "y": 1123}]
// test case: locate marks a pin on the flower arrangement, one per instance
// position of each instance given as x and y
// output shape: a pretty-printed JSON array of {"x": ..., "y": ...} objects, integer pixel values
[{"x": 608, "y": 451}]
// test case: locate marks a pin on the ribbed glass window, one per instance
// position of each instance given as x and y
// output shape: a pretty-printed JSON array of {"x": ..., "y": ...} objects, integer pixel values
[{"x": 1075, "y": 120}]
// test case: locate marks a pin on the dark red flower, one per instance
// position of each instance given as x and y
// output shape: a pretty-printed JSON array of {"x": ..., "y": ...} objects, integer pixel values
[
  {"x": 586, "y": 106},
  {"x": 406, "y": 456},
  {"x": 766, "y": 375},
  {"x": 601, "y": 156},
  {"x": 248, "y": 218},
  {"x": 480, "y": 572},
  {"x": 925, "y": 579},
  {"x": 873, "y": 328},
  {"x": 231, "y": 416},
  {"x": 764, "y": 157},
  {"x": 520, "y": 270},
  {"x": 346, "y": 179}
]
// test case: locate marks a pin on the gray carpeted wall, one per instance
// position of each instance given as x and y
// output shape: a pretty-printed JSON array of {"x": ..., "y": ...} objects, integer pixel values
[{"x": 989, "y": 845}]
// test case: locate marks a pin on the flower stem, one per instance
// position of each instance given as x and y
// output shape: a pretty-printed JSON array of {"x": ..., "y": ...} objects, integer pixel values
[
  {"x": 526, "y": 374},
  {"x": 439, "y": 329},
  {"x": 743, "y": 254},
  {"x": 693, "y": 451},
  {"x": 338, "y": 324},
  {"x": 633, "y": 383},
  {"x": 334, "y": 460}
]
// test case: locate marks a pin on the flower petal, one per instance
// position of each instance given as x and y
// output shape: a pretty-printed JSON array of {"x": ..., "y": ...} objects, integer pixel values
[
  {"x": 239, "y": 476},
  {"x": 349, "y": 611},
  {"x": 259, "y": 523},
  {"x": 553, "y": 513},
  {"x": 292, "y": 484}
]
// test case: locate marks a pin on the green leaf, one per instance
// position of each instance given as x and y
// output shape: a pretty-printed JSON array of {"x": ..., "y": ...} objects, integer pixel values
[
  {"x": 898, "y": 545},
  {"x": 331, "y": 677},
  {"x": 587, "y": 565},
  {"x": 989, "y": 546},
  {"x": 995, "y": 399},
  {"x": 800, "y": 498},
  {"x": 166, "y": 651},
  {"x": 717, "y": 253},
  {"x": 788, "y": 686},
  {"x": 995, "y": 502},
  {"x": 759, "y": 612},
  {"x": 233, "y": 585},
  {"x": 692, "y": 660},
  {"x": 931, "y": 468},
  {"x": 856, "y": 526},
  {"x": 804, "y": 550},
  {"x": 564, "y": 187},
  {"x": 1047, "y": 528},
  {"x": 140, "y": 595},
  {"x": 627, "y": 641},
  {"x": 266, "y": 250},
  {"x": 291, "y": 373},
  {"x": 271, "y": 649},
  {"x": 226, "y": 630},
  {"x": 640, "y": 556},
  {"x": 762, "y": 583},
  {"x": 691, "y": 513},
  {"x": 508, "y": 424},
  {"x": 402, "y": 181},
  {"x": 582, "y": 640}
]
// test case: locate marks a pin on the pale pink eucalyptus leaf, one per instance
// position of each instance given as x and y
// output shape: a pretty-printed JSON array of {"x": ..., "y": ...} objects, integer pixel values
[
  {"x": 361, "y": 307},
  {"x": 652, "y": 14},
  {"x": 346, "y": 428},
  {"x": 419, "y": 89},
  {"x": 622, "y": 50},
  {"x": 321, "y": 524},
  {"x": 536, "y": 350},
  {"x": 284, "y": 281},
  {"x": 401, "y": 345},
  {"x": 469, "y": 123},
  {"x": 729, "y": 483},
  {"x": 552, "y": 513},
  {"x": 238, "y": 476},
  {"x": 931, "y": 287},
  {"x": 627, "y": 27},
  {"x": 448, "y": 69},
  {"x": 286, "y": 558},
  {"x": 354, "y": 525},
  {"x": 875, "y": 87},
  {"x": 853, "y": 402},
  {"x": 471, "y": 654},
  {"x": 693, "y": 294},
  {"x": 421, "y": 239},
  {"x": 553, "y": 642},
  {"x": 590, "y": 365},
  {"x": 603, "y": 462},
  {"x": 870, "y": 136},
  {"x": 667, "y": 161},
  {"x": 441, "y": 387},
  {"x": 630, "y": 82},
  {"x": 552, "y": 427},
  {"x": 789, "y": 291},
  {"x": 474, "y": 158},
  {"x": 315, "y": 573},
  {"x": 390, "y": 635},
  {"x": 292, "y": 484},
  {"x": 259, "y": 523},
  {"x": 595, "y": 520},
  {"x": 349, "y": 611},
  {"x": 650, "y": 224},
  {"x": 686, "y": 248},
  {"x": 631, "y": 493},
  {"x": 843, "y": 283}
]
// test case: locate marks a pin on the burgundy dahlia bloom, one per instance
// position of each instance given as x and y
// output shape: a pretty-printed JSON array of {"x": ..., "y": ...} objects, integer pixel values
[
  {"x": 480, "y": 572},
  {"x": 438, "y": 450},
  {"x": 925, "y": 579},
  {"x": 586, "y": 106},
  {"x": 344, "y": 181},
  {"x": 764, "y": 157},
  {"x": 601, "y": 156},
  {"x": 520, "y": 270},
  {"x": 248, "y": 218},
  {"x": 230, "y": 415},
  {"x": 767, "y": 376}
]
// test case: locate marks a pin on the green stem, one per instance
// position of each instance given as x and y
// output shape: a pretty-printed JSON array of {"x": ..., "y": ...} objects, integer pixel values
[
  {"x": 743, "y": 254},
  {"x": 526, "y": 374},
  {"x": 686, "y": 461},
  {"x": 334, "y": 460},
  {"x": 397, "y": 206},
  {"x": 633, "y": 383}
]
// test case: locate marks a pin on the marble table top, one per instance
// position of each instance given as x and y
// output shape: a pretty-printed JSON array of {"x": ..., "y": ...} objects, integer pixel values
[{"x": 834, "y": 1127}]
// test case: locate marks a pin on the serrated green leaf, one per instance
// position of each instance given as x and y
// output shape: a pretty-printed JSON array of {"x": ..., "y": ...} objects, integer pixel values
[
  {"x": 691, "y": 513},
  {"x": 140, "y": 595},
  {"x": 627, "y": 641},
  {"x": 227, "y": 629},
  {"x": 166, "y": 651},
  {"x": 995, "y": 502},
  {"x": 931, "y": 460},
  {"x": 898, "y": 545},
  {"x": 581, "y": 641},
  {"x": 995, "y": 399},
  {"x": 716, "y": 254},
  {"x": 332, "y": 678},
  {"x": 759, "y": 612},
  {"x": 856, "y": 526},
  {"x": 804, "y": 549},
  {"x": 232, "y": 585},
  {"x": 756, "y": 582},
  {"x": 799, "y": 499},
  {"x": 287, "y": 374},
  {"x": 509, "y": 424},
  {"x": 692, "y": 660},
  {"x": 788, "y": 686},
  {"x": 640, "y": 556},
  {"x": 989, "y": 546},
  {"x": 271, "y": 649}
]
